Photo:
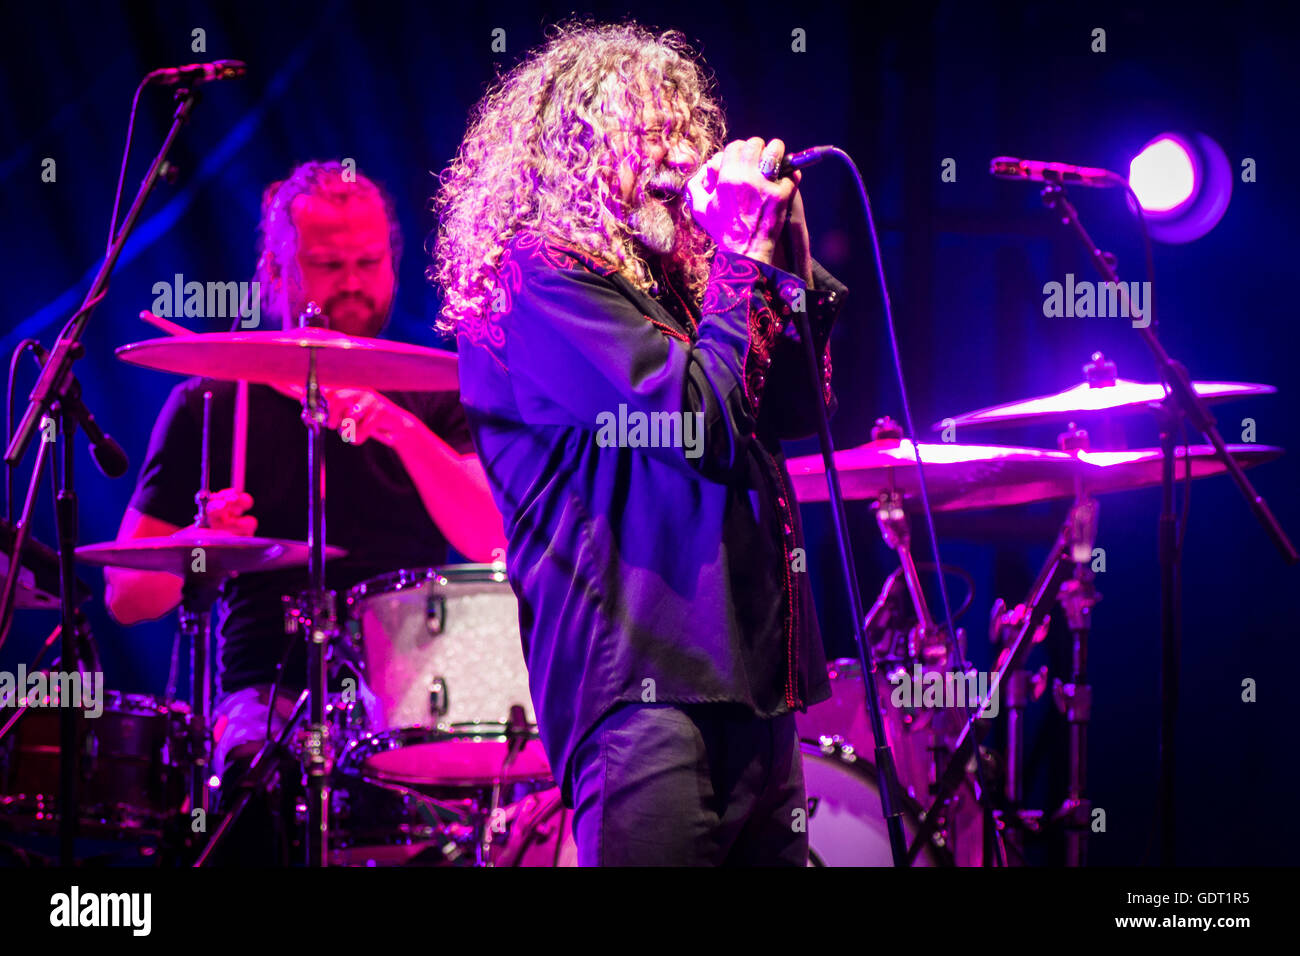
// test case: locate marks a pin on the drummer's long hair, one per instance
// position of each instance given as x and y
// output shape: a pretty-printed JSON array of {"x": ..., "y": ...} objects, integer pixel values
[
  {"x": 277, "y": 241},
  {"x": 537, "y": 157}
]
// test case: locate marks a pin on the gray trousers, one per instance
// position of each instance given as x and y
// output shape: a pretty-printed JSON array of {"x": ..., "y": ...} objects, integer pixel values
[{"x": 690, "y": 785}]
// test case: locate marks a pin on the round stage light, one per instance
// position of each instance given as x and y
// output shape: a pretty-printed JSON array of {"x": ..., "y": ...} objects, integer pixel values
[{"x": 1184, "y": 184}]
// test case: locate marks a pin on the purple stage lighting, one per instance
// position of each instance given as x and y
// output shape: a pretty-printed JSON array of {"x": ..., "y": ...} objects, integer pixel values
[{"x": 1184, "y": 184}]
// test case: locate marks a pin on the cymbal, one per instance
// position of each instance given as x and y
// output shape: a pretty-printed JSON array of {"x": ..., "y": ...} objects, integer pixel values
[
  {"x": 1124, "y": 396},
  {"x": 223, "y": 553},
  {"x": 957, "y": 476},
  {"x": 1140, "y": 467},
  {"x": 962, "y": 477},
  {"x": 281, "y": 357}
]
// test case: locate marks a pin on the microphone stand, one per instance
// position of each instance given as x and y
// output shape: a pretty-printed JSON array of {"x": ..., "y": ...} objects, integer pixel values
[
  {"x": 886, "y": 773},
  {"x": 48, "y": 399},
  {"x": 1181, "y": 402}
]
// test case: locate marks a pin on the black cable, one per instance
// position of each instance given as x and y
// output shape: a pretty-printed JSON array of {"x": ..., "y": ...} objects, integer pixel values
[
  {"x": 910, "y": 433},
  {"x": 960, "y": 572},
  {"x": 126, "y": 155},
  {"x": 14, "y": 358}
]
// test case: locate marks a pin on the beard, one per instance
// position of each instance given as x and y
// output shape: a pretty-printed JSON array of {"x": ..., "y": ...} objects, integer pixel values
[
  {"x": 355, "y": 314},
  {"x": 655, "y": 227},
  {"x": 654, "y": 221}
]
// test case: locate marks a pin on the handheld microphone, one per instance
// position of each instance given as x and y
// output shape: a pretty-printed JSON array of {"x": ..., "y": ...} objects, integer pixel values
[
  {"x": 802, "y": 160},
  {"x": 198, "y": 73},
  {"x": 789, "y": 163},
  {"x": 1063, "y": 174}
]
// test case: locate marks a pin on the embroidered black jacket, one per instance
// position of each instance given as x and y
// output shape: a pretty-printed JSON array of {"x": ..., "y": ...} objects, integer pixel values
[{"x": 649, "y": 573}]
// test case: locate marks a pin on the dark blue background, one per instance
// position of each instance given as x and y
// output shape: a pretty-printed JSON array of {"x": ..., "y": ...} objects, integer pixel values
[{"x": 389, "y": 85}]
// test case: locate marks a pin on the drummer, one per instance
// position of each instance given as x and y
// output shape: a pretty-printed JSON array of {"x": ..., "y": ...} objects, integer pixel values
[{"x": 402, "y": 478}]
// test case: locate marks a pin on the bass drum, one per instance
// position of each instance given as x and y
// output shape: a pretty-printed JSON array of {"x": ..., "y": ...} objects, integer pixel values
[
  {"x": 915, "y": 735},
  {"x": 845, "y": 826}
]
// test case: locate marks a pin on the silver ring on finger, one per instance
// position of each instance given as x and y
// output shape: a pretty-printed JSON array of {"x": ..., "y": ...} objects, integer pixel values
[{"x": 768, "y": 167}]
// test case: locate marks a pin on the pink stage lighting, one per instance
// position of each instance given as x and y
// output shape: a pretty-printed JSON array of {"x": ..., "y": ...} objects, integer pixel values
[{"x": 1184, "y": 184}]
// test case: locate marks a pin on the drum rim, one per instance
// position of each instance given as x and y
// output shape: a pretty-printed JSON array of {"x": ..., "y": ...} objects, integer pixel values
[
  {"x": 865, "y": 769},
  {"x": 122, "y": 702},
  {"x": 393, "y": 738},
  {"x": 358, "y": 751},
  {"x": 404, "y": 578}
]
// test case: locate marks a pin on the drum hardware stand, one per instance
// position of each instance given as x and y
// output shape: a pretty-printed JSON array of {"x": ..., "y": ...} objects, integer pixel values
[
  {"x": 258, "y": 777},
  {"x": 1183, "y": 401},
  {"x": 922, "y": 646},
  {"x": 315, "y": 615},
  {"x": 198, "y": 594},
  {"x": 1023, "y": 687},
  {"x": 1073, "y": 699},
  {"x": 516, "y": 740},
  {"x": 56, "y": 387},
  {"x": 72, "y": 653},
  {"x": 1020, "y": 642}
]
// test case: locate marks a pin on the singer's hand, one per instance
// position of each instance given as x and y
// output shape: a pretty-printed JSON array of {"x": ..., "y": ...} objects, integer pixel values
[
  {"x": 740, "y": 209},
  {"x": 796, "y": 232}
]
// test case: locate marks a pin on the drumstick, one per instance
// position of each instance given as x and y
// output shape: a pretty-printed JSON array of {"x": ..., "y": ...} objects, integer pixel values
[
  {"x": 166, "y": 325},
  {"x": 239, "y": 453},
  {"x": 239, "y": 446}
]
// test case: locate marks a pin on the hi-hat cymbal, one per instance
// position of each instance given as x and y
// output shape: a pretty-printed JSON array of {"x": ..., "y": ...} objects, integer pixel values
[
  {"x": 962, "y": 477},
  {"x": 223, "y": 553},
  {"x": 1123, "y": 396},
  {"x": 281, "y": 357}
]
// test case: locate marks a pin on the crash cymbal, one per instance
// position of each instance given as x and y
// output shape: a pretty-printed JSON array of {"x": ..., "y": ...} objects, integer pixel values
[
  {"x": 223, "y": 553},
  {"x": 1102, "y": 392},
  {"x": 281, "y": 357},
  {"x": 1123, "y": 396},
  {"x": 962, "y": 477}
]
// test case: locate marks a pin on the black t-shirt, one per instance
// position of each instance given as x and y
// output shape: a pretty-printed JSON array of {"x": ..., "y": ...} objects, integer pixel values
[{"x": 372, "y": 507}]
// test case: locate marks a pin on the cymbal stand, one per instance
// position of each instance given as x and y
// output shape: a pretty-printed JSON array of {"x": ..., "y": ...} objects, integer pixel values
[
  {"x": 316, "y": 616},
  {"x": 198, "y": 594},
  {"x": 257, "y": 778},
  {"x": 1182, "y": 402},
  {"x": 1074, "y": 699},
  {"x": 927, "y": 646},
  {"x": 1023, "y": 687},
  {"x": 1020, "y": 641}
]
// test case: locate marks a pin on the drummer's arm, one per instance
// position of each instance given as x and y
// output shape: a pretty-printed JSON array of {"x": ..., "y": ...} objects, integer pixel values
[
  {"x": 454, "y": 490},
  {"x": 135, "y": 596}
]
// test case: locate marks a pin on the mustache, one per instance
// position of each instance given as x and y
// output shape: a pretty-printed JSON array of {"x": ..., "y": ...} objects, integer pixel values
[
  {"x": 359, "y": 298},
  {"x": 665, "y": 186}
]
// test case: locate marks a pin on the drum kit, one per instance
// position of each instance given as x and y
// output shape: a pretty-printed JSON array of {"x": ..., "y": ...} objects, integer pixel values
[{"x": 430, "y": 754}]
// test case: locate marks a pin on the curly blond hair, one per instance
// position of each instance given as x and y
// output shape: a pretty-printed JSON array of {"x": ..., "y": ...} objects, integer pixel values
[{"x": 538, "y": 157}]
